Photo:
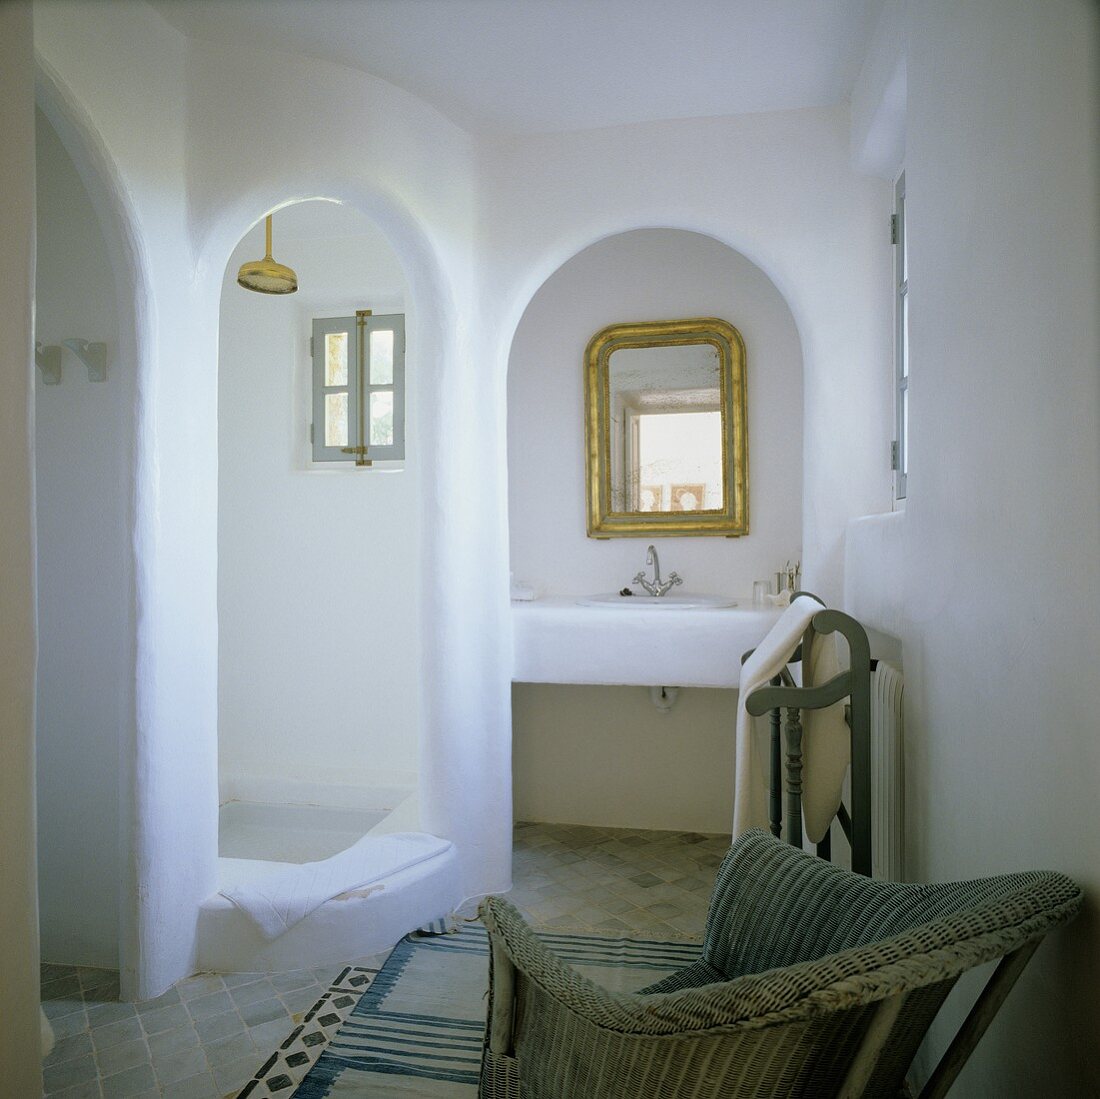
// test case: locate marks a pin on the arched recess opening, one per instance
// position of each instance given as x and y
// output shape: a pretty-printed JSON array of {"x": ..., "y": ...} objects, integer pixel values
[
  {"x": 320, "y": 644},
  {"x": 90, "y": 290},
  {"x": 668, "y": 778}
]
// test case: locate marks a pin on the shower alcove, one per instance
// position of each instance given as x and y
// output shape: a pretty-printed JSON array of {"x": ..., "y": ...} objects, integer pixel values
[{"x": 318, "y": 612}]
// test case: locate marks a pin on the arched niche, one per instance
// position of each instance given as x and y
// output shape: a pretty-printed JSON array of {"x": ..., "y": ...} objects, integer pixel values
[
  {"x": 128, "y": 355},
  {"x": 641, "y": 275}
]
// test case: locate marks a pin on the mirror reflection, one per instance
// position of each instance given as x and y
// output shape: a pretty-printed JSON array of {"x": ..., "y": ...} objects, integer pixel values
[
  {"x": 666, "y": 442},
  {"x": 665, "y": 407}
]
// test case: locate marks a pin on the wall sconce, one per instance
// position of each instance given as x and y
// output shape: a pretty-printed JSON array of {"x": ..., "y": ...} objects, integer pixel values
[
  {"x": 92, "y": 355},
  {"x": 48, "y": 361}
]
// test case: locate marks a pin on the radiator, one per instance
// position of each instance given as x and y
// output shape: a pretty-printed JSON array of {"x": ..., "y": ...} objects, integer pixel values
[{"x": 887, "y": 773}]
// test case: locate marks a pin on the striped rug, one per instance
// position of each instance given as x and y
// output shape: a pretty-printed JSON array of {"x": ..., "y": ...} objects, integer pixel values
[{"x": 418, "y": 1029}]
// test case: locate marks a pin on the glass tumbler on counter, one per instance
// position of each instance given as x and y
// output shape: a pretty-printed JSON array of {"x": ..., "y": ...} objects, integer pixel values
[{"x": 761, "y": 589}]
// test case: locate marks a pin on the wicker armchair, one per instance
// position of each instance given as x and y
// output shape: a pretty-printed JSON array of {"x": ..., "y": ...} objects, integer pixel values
[{"x": 812, "y": 982}]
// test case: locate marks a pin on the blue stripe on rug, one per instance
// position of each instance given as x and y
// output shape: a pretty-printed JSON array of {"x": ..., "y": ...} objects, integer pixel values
[
  {"x": 377, "y": 1040},
  {"x": 426, "y": 1020},
  {"x": 413, "y": 1039}
]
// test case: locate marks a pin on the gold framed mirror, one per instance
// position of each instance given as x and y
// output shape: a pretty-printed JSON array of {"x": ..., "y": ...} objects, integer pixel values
[{"x": 666, "y": 430}]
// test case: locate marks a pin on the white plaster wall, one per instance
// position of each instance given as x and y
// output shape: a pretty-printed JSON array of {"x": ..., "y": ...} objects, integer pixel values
[
  {"x": 83, "y": 463},
  {"x": 318, "y": 578},
  {"x": 990, "y": 577},
  {"x": 780, "y": 189},
  {"x": 118, "y": 75},
  {"x": 604, "y": 756},
  {"x": 878, "y": 97},
  {"x": 650, "y": 274},
  {"x": 19, "y": 1036},
  {"x": 340, "y": 134},
  {"x": 225, "y": 152}
]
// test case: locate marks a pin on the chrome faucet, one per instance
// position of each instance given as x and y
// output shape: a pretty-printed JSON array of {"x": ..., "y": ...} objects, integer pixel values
[{"x": 657, "y": 586}]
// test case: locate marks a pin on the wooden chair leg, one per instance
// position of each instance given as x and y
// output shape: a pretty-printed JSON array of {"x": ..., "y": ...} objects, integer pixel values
[
  {"x": 981, "y": 1015},
  {"x": 871, "y": 1047}
]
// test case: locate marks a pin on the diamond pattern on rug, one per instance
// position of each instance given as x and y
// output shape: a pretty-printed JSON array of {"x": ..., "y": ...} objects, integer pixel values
[{"x": 290, "y": 1063}]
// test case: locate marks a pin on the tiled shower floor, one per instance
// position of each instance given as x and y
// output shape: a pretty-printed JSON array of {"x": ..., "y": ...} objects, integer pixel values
[{"x": 206, "y": 1037}]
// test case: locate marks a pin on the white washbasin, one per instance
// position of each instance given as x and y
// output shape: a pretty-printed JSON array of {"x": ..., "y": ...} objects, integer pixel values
[{"x": 670, "y": 602}]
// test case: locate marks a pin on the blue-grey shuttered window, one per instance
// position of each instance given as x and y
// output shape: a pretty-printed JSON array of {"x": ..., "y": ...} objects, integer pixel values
[{"x": 359, "y": 388}]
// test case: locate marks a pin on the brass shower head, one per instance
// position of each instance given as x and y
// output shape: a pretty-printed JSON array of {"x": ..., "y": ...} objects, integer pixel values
[{"x": 265, "y": 276}]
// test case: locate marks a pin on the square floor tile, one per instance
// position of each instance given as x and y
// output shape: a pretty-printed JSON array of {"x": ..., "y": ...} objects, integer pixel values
[
  {"x": 173, "y": 1041},
  {"x": 114, "y": 1034},
  {"x": 201, "y": 1086},
  {"x": 65, "y": 1049},
  {"x": 264, "y": 1012},
  {"x": 236, "y": 1074},
  {"x": 173, "y": 1067},
  {"x": 229, "y": 1050},
  {"x": 165, "y": 1018},
  {"x": 68, "y": 1025},
  {"x": 195, "y": 1087},
  {"x": 76, "y": 1070},
  {"x": 122, "y": 1056},
  {"x": 205, "y": 1007},
  {"x": 252, "y": 993},
  {"x": 102, "y": 1015},
  {"x": 129, "y": 1084}
]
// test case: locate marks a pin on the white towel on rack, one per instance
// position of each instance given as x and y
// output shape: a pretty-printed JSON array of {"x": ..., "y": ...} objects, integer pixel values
[
  {"x": 826, "y": 763},
  {"x": 282, "y": 899},
  {"x": 826, "y": 743}
]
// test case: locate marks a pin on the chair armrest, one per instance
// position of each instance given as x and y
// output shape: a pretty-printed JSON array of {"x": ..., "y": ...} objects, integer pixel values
[
  {"x": 929, "y": 954},
  {"x": 752, "y": 1001}
]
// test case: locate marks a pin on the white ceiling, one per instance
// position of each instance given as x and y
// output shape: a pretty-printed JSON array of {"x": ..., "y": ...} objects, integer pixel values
[{"x": 528, "y": 66}]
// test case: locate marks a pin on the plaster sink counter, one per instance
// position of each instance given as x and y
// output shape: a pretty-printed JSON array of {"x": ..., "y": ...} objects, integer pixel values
[{"x": 556, "y": 640}]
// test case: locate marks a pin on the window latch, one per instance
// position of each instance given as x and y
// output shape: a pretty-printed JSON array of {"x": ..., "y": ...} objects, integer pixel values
[
  {"x": 894, "y": 455},
  {"x": 360, "y": 453}
]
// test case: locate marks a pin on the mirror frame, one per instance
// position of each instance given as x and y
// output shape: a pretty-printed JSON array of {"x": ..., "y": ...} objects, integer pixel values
[{"x": 729, "y": 521}]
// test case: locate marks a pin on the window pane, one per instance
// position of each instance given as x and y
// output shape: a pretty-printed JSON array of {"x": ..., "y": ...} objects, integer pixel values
[
  {"x": 381, "y": 357},
  {"x": 336, "y": 419},
  {"x": 905, "y": 335},
  {"x": 905, "y": 430},
  {"x": 336, "y": 358},
  {"x": 381, "y": 418},
  {"x": 904, "y": 243}
]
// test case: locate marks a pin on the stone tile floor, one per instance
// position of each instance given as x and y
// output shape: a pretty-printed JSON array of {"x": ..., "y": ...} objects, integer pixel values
[
  {"x": 206, "y": 1037},
  {"x": 614, "y": 881}
]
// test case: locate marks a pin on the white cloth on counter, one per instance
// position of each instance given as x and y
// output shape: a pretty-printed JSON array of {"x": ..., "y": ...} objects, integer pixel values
[
  {"x": 826, "y": 762},
  {"x": 277, "y": 902}
]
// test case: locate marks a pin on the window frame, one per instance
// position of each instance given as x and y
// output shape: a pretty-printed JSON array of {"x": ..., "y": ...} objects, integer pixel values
[
  {"x": 359, "y": 329},
  {"x": 901, "y": 345}
]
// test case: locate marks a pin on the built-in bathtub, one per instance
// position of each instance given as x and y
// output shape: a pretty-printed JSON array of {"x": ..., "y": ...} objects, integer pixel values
[
  {"x": 256, "y": 839},
  {"x": 290, "y": 833}
]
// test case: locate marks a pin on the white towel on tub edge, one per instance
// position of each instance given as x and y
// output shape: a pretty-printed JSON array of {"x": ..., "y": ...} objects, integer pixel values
[{"x": 278, "y": 901}]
